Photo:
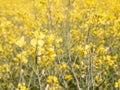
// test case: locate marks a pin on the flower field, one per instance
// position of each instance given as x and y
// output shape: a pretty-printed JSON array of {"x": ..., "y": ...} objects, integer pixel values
[{"x": 59, "y": 44}]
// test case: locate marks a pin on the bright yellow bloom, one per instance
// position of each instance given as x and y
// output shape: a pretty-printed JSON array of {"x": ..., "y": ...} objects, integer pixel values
[
  {"x": 52, "y": 79},
  {"x": 21, "y": 86},
  {"x": 20, "y": 42},
  {"x": 33, "y": 42},
  {"x": 68, "y": 77}
]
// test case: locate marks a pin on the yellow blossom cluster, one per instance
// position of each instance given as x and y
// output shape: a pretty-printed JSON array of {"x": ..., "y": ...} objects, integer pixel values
[
  {"x": 21, "y": 86},
  {"x": 59, "y": 44}
]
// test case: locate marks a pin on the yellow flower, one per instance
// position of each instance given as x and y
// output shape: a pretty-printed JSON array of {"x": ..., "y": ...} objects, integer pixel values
[
  {"x": 38, "y": 34},
  {"x": 21, "y": 86},
  {"x": 63, "y": 66},
  {"x": 20, "y": 42},
  {"x": 1, "y": 48},
  {"x": 76, "y": 66},
  {"x": 40, "y": 42},
  {"x": 116, "y": 85},
  {"x": 74, "y": 32},
  {"x": 68, "y": 77},
  {"x": 58, "y": 39},
  {"x": 101, "y": 50},
  {"x": 24, "y": 60},
  {"x": 52, "y": 79},
  {"x": 50, "y": 39},
  {"x": 33, "y": 42}
]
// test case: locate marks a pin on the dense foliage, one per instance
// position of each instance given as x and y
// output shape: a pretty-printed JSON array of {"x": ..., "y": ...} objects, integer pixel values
[{"x": 59, "y": 44}]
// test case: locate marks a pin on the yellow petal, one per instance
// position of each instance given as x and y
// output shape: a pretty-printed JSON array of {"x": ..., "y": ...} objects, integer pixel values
[
  {"x": 20, "y": 42},
  {"x": 33, "y": 42}
]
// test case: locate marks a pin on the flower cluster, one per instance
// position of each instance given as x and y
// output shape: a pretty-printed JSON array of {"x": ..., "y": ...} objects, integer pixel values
[{"x": 59, "y": 44}]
